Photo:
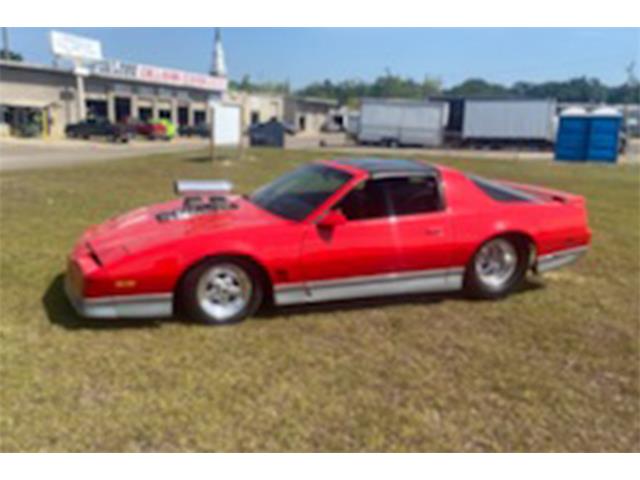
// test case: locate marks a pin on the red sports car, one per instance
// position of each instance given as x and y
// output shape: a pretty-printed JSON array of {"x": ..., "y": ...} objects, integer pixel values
[{"x": 329, "y": 230}]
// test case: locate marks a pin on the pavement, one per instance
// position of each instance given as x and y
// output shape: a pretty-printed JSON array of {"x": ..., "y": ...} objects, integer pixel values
[
  {"x": 23, "y": 154},
  {"x": 338, "y": 142}
]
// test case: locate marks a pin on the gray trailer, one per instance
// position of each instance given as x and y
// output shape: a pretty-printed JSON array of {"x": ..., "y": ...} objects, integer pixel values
[
  {"x": 395, "y": 122},
  {"x": 505, "y": 122}
]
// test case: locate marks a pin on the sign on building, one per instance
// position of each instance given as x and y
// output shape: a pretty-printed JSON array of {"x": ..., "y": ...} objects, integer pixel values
[
  {"x": 149, "y": 73},
  {"x": 74, "y": 47},
  {"x": 115, "y": 68}
]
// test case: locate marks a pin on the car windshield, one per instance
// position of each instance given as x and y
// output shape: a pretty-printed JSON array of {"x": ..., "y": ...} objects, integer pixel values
[{"x": 296, "y": 194}]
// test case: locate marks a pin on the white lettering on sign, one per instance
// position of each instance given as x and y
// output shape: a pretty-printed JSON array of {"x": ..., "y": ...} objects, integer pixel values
[
  {"x": 178, "y": 77},
  {"x": 167, "y": 76}
]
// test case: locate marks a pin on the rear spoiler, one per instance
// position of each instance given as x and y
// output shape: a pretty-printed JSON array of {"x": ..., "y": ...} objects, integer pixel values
[
  {"x": 545, "y": 193},
  {"x": 187, "y": 188}
]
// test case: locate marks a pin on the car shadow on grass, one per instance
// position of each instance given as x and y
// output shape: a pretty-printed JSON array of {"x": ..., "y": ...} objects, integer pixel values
[
  {"x": 217, "y": 157},
  {"x": 424, "y": 299},
  {"x": 60, "y": 312}
]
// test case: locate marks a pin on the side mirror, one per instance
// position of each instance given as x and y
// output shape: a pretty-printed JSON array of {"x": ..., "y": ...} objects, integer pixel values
[{"x": 332, "y": 218}]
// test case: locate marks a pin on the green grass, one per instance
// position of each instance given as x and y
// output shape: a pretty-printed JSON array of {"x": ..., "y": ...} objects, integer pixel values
[{"x": 553, "y": 367}]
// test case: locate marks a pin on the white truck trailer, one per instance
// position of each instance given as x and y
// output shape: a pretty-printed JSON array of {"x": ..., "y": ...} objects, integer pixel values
[
  {"x": 507, "y": 122},
  {"x": 396, "y": 122}
]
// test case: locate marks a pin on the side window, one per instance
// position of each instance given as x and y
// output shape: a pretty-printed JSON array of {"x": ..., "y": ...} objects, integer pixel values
[
  {"x": 365, "y": 201},
  {"x": 413, "y": 195},
  {"x": 392, "y": 196}
]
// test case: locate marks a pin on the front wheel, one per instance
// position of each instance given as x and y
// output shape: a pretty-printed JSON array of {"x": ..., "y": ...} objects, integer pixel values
[
  {"x": 497, "y": 268},
  {"x": 222, "y": 291}
]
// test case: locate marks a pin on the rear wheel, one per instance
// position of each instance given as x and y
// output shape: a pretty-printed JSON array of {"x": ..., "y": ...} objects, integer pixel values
[
  {"x": 497, "y": 268},
  {"x": 222, "y": 291}
]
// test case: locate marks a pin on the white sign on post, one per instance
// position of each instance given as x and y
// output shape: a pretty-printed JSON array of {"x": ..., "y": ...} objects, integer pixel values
[
  {"x": 226, "y": 123},
  {"x": 74, "y": 47}
]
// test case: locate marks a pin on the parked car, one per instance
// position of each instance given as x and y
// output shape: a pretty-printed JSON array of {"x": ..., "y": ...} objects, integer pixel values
[
  {"x": 157, "y": 129},
  {"x": 170, "y": 129},
  {"x": 151, "y": 130},
  {"x": 201, "y": 130},
  {"x": 99, "y": 127},
  {"x": 330, "y": 230}
]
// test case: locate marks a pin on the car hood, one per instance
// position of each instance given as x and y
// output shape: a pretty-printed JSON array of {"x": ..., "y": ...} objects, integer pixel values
[{"x": 140, "y": 229}]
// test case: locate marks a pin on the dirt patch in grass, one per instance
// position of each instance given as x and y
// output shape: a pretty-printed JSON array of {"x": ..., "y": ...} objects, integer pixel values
[{"x": 554, "y": 367}]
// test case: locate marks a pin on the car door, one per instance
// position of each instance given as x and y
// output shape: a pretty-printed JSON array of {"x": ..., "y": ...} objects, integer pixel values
[
  {"x": 351, "y": 259},
  {"x": 423, "y": 222},
  {"x": 423, "y": 225}
]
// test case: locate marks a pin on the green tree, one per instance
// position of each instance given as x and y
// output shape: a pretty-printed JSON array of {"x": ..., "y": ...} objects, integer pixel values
[
  {"x": 478, "y": 87},
  {"x": 388, "y": 85},
  {"x": 246, "y": 85},
  {"x": 10, "y": 55}
]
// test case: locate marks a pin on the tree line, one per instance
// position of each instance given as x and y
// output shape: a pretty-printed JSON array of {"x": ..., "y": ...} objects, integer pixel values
[
  {"x": 348, "y": 92},
  {"x": 580, "y": 89}
]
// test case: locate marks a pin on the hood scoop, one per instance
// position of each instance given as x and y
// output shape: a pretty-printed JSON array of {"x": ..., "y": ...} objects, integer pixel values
[{"x": 200, "y": 197}]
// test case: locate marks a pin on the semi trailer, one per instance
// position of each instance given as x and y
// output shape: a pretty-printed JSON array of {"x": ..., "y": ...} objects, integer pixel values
[
  {"x": 496, "y": 123},
  {"x": 399, "y": 122}
]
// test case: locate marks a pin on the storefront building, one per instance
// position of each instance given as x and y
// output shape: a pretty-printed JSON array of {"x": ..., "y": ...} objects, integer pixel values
[{"x": 38, "y": 100}]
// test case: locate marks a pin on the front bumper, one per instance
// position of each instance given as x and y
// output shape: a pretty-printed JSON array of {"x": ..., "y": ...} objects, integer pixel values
[
  {"x": 152, "y": 305},
  {"x": 558, "y": 259}
]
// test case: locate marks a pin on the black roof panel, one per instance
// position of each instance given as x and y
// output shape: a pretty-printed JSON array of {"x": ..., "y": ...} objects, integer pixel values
[{"x": 375, "y": 165}]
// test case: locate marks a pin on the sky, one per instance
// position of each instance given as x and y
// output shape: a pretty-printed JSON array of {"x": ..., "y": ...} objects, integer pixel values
[{"x": 305, "y": 55}]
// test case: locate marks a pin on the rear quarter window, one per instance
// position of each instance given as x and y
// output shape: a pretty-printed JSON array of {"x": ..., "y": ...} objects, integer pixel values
[{"x": 498, "y": 192}]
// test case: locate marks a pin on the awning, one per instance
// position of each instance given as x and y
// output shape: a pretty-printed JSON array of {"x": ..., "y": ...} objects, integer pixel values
[{"x": 23, "y": 103}]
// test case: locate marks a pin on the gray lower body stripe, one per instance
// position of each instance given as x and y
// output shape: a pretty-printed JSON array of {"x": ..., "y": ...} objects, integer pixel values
[
  {"x": 122, "y": 306},
  {"x": 559, "y": 259},
  {"x": 435, "y": 280}
]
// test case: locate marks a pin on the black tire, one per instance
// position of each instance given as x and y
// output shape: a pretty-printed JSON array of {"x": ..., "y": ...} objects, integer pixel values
[
  {"x": 187, "y": 293},
  {"x": 477, "y": 288}
]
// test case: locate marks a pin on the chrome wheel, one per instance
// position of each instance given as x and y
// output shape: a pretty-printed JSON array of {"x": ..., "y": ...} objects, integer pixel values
[
  {"x": 223, "y": 291},
  {"x": 496, "y": 263}
]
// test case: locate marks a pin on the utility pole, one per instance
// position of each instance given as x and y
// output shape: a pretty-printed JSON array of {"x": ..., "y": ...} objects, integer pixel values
[
  {"x": 212, "y": 134},
  {"x": 631, "y": 80}
]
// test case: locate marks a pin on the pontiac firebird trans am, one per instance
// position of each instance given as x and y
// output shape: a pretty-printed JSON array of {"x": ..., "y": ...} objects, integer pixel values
[{"x": 329, "y": 230}]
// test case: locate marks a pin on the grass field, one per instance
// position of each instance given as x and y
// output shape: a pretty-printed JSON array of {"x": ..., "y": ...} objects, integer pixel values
[{"x": 554, "y": 367}]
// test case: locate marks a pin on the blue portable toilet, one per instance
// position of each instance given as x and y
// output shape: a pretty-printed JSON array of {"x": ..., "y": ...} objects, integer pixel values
[
  {"x": 604, "y": 135},
  {"x": 586, "y": 136},
  {"x": 572, "y": 138}
]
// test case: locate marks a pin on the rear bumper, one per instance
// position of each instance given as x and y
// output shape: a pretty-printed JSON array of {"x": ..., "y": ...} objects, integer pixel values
[
  {"x": 152, "y": 305},
  {"x": 559, "y": 259}
]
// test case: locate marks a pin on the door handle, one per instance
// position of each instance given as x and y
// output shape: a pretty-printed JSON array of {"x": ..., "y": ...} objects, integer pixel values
[{"x": 433, "y": 231}]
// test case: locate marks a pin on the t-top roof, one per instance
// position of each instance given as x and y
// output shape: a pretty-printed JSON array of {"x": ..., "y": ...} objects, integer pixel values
[{"x": 381, "y": 166}]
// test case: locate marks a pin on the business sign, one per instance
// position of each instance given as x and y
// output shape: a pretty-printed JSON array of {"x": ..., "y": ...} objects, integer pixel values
[
  {"x": 148, "y": 73},
  {"x": 115, "y": 68},
  {"x": 75, "y": 47},
  {"x": 165, "y": 76}
]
